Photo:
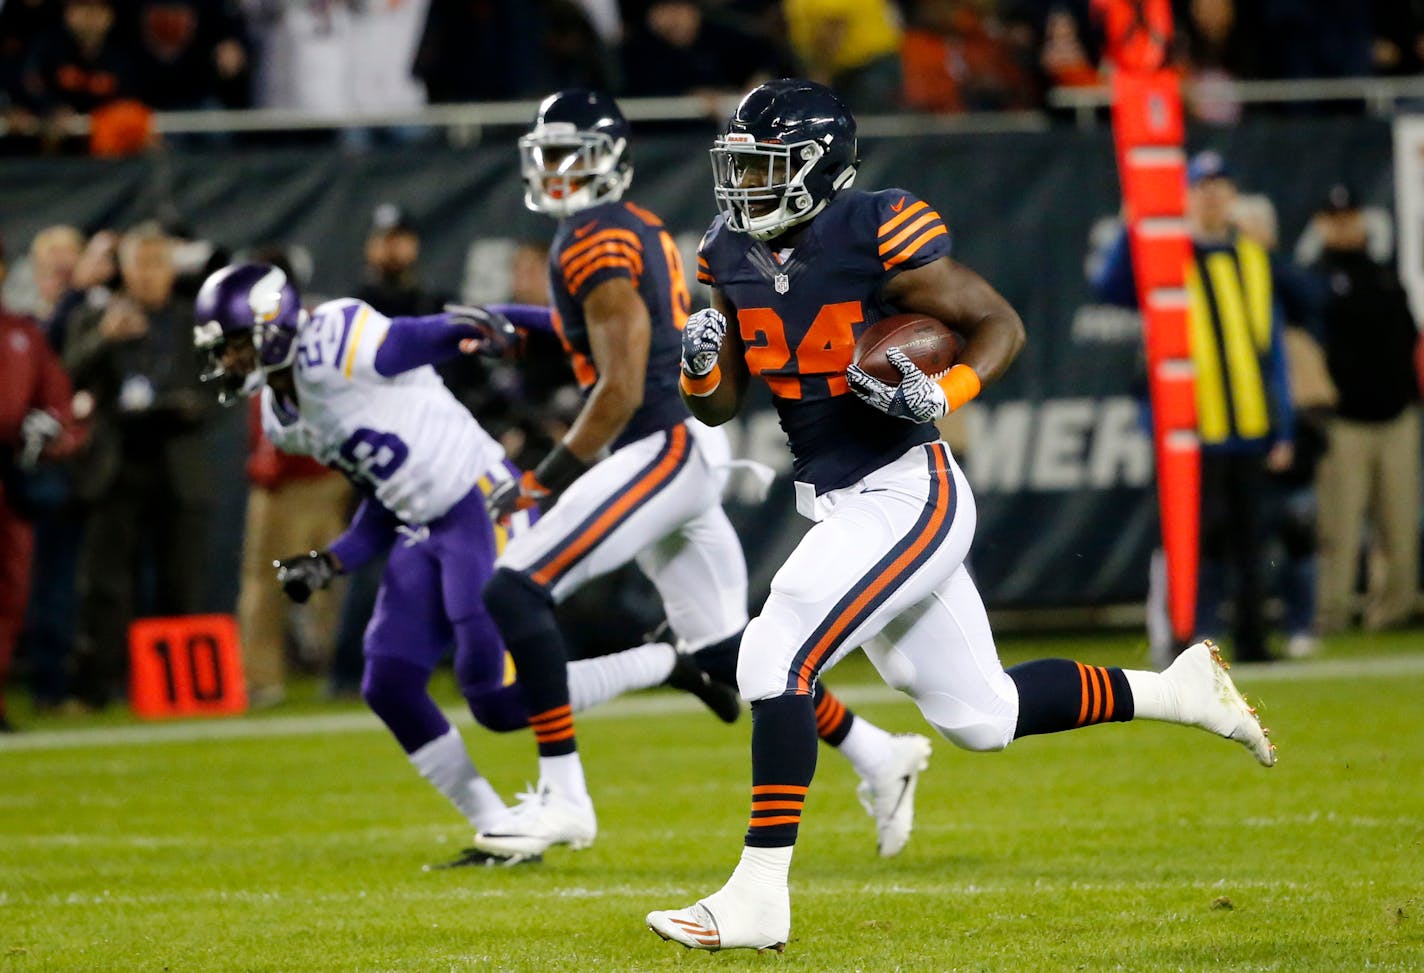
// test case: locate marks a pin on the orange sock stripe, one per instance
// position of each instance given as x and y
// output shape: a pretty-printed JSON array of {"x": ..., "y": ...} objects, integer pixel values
[
  {"x": 555, "y": 726},
  {"x": 1086, "y": 693},
  {"x": 771, "y": 822},
  {"x": 1100, "y": 688},
  {"x": 778, "y": 805},
  {"x": 1107, "y": 694},
  {"x": 551, "y": 714},
  {"x": 778, "y": 789},
  {"x": 553, "y": 736}
]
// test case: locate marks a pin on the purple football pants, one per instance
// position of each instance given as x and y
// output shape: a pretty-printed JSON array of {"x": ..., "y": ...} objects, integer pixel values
[{"x": 429, "y": 599}]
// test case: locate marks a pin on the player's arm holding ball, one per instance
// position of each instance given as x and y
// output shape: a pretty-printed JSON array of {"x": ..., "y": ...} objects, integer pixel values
[
  {"x": 714, "y": 366},
  {"x": 967, "y": 303}
]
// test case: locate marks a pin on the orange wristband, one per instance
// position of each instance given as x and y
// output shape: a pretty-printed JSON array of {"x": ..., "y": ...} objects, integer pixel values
[
  {"x": 960, "y": 384},
  {"x": 705, "y": 385}
]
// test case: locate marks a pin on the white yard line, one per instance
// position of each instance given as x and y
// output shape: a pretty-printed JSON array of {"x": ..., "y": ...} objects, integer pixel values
[{"x": 659, "y": 704}]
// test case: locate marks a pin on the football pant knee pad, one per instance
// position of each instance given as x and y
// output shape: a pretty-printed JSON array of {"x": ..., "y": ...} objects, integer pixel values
[{"x": 767, "y": 651}]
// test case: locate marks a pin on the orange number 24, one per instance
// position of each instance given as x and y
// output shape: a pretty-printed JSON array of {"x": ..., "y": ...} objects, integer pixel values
[{"x": 824, "y": 352}]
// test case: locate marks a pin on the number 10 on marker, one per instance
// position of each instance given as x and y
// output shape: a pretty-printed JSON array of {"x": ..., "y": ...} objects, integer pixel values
[{"x": 185, "y": 666}]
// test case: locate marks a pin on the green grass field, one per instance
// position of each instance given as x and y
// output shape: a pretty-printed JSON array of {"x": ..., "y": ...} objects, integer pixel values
[{"x": 294, "y": 841}]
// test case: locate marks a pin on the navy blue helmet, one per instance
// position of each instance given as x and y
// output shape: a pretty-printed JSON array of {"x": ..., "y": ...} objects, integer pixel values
[
  {"x": 788, "y": 149},
  {"x": 240, "y": 304},
  {"x": 576, "y": 155}
]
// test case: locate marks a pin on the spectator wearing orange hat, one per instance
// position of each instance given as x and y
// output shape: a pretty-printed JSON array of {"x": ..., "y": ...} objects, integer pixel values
[{"x": 73, "y": 70}]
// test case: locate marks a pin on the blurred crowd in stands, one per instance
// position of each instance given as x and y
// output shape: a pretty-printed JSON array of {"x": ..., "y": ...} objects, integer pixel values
[
  {"x": 118, "y": 61},
  {"x": 106, "y": 477}
]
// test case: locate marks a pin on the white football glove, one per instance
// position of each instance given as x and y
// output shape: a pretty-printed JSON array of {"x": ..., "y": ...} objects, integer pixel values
[
  {"x": 917, "y": 398},
  {"x": 702, "y": 341}
]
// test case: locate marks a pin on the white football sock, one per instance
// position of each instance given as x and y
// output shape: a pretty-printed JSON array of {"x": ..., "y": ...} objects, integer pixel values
[
  {"x": 765, "y": 868},
  {"x": 565, "y": 774},
  {"x": 866, "y": 746},
  {"x": 594, "y": 681},
  {"x": 446, "y": 764},
  {"x": 1152, "y": 696}
]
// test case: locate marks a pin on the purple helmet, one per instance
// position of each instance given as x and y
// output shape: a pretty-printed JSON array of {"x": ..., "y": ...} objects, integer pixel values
[{"x": 246, "y": 302}]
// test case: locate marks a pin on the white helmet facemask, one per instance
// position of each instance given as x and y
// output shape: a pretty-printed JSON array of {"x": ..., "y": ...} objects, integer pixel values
[
  {"x": 761, "y": 186},
  {"x": 567, "y": 170}
]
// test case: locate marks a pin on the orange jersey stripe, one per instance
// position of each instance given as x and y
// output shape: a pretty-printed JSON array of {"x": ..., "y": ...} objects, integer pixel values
[
  {"x": 778, "y": 789},
  {"x": 647, "y": 216},
  {"x": 604, "y": 236},
  {"x": 886, "y": 577},
  {"x": 554, "y": 737},
  {"x": 552, "y": 714},
  {"x": 887, "y": 228},
  {"x": 913, "y": 248},
  {"x": 908, "y": 232},
  {"x": 778, "y": 805},
  {"x": 553, "y": 725},
  {"x": 600, "y": 264},
  {"x": 704, "y": 278},
  {"x": 769, "y": 822},
  {"x": 613, "y": 248},
  {"x": 630, "y": 498}
]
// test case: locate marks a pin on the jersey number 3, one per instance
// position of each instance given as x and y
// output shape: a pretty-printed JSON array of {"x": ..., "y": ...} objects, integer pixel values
[{"x": 822, "y": 354}]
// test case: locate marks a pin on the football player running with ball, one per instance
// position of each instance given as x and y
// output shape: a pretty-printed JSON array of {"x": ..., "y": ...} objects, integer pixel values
[
  {"x": 800, "y": 266},
  {"x": 354, "y": 389},
  {"x": 635, "y": 479}
]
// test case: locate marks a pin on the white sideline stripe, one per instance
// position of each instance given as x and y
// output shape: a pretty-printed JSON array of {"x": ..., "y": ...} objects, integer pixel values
[
  {"x": 829, "y": 890},
  {"x": 633, "y": 707}
]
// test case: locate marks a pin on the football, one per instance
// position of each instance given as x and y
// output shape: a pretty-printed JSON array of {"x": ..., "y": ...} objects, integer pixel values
[{"x": 932, "y": 346}]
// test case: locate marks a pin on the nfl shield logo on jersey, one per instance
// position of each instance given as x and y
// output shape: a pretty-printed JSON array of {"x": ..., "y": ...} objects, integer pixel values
[{"x": 782, "y": 283}]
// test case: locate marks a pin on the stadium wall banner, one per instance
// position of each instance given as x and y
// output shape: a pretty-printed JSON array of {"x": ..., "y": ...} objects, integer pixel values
[{"x": 1057, "y": 452}]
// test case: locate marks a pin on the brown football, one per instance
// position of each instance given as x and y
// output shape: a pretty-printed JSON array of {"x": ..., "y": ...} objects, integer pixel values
[{"x": 932, "y": 346}]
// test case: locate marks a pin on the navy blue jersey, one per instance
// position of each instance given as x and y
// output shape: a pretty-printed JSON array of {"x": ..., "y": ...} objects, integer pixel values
[
  {"x": 624, "y": 240},
  {"x": 800, "y": 313}
]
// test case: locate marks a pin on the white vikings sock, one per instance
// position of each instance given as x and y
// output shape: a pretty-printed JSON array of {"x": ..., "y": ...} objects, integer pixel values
[
  {"x": 866, "y": 746},
  {"x": 594, "y": 681},
  {"x": 762, "y": 868},
  {"x": 1152, "y": 696},
  {"x": 565, "y": 773},
  {"x": 446, "y": 764}
]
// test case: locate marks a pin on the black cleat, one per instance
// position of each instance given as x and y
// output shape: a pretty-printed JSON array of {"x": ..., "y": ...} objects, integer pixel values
[
  {"x": 483, "y": 859},
  {"x": 721, "y": 700}
]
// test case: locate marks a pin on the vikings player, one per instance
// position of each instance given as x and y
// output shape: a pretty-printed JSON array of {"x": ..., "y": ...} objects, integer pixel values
[
  {"x": 355, "y": 389},
  {"x": 621, "y": 299},
  {"x": 800, "y": 265}
]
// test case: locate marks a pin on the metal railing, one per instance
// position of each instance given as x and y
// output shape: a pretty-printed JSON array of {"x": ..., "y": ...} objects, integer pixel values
[
  {"x": 466, "y": 122},
  {"x": 1380, "y": 96}
]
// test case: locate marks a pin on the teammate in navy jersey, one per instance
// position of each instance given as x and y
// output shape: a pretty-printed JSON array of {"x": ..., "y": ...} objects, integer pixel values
[
  {"x": 800, "y": 264},
  {"x": 621, "y": 300}
]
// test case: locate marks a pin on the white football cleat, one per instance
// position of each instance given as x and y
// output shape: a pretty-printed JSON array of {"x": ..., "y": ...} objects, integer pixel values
[
  {"x": 729, "y": 919},
  {"x": 889, "y": 795},
  {"x": 1206, "y": 697},
  {"x": 539, "y": 821}
]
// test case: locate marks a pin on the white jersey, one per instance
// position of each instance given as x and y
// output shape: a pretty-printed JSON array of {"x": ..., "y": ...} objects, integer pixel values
[{"x": 405, "y": 439}]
